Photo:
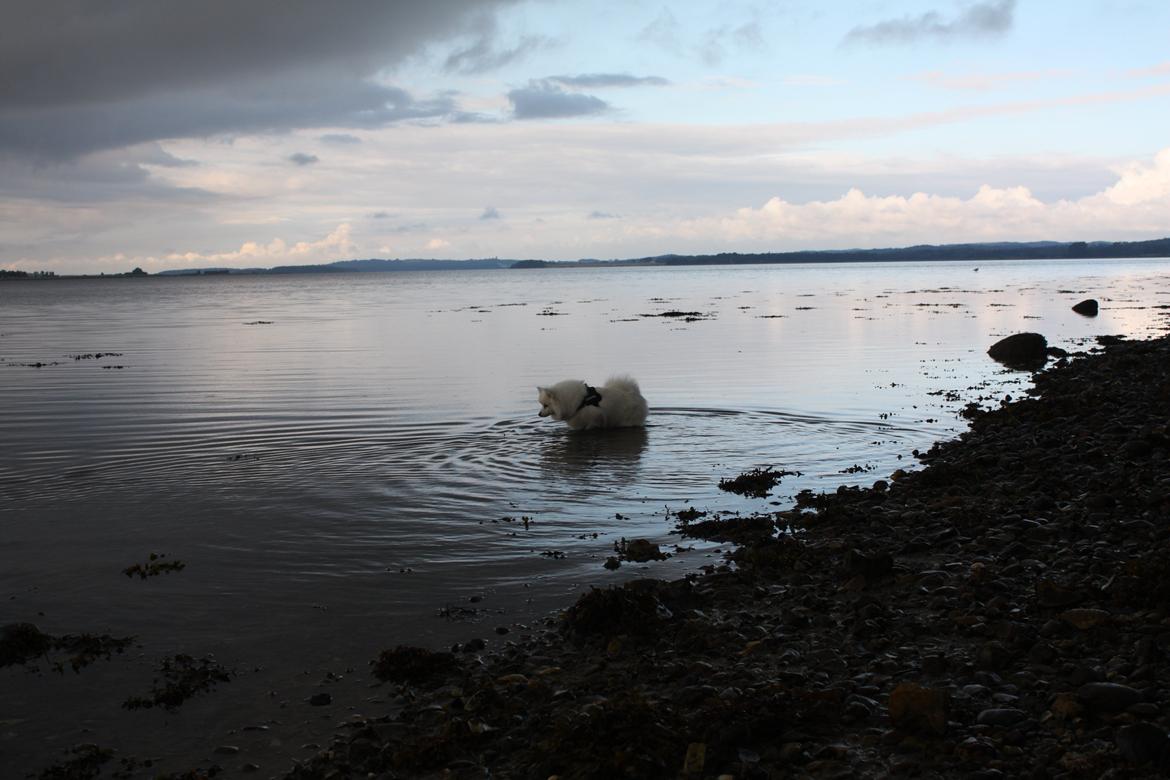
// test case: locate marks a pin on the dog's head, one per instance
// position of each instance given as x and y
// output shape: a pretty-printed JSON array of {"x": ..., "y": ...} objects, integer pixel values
[{"x": 549, "y": 403}]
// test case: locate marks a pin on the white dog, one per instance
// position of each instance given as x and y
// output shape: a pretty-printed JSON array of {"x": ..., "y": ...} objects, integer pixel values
[{"x": 616, "y": 404}]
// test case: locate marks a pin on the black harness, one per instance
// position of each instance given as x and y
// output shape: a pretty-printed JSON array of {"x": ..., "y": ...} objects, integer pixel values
[{"x": 592, "y": 398}]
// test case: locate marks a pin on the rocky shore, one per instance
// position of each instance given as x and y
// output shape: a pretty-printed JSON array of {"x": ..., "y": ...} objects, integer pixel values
[{"x": 1003, "y": 612}]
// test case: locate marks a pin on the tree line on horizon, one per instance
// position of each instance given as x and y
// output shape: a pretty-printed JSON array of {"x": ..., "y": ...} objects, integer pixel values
[{"x": 1038, "y": 250}]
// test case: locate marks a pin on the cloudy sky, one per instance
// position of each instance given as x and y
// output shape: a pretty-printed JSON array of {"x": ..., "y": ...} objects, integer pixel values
[{"x": 176, "y": 134}]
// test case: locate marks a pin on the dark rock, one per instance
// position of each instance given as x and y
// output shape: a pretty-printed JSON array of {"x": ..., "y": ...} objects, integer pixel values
[
  {"x": 1136, "y": 448},
  {"x": 1003, "y": 716},
  {"x": 1142, "y": 743},
  {"x": 413, "y": 665},
  {"x": 1087, "y": 307},
  {"x": 21, "y": 642},
  {"x": 1108, "y": 697},
  {"x": 1020, "y": 350},
  {"x": 606, "y": 612},
  {"x": 1054, "y": 594},
  {"x": 1085, "y": 619},
  {"x": 918, "y": 710},
  {"x": 872, "y": 566},
  {"x": 320, "y": 699},
  {"x": 992, "y": 656},
  {"x": 640, "y": 551}
]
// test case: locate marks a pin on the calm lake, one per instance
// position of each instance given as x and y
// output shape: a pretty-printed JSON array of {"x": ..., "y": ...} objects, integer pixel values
[{"x": 343, "y": 462}]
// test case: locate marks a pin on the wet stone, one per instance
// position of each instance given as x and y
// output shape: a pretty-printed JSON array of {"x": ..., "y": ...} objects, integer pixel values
[
  {"x": 1087, "y": 307},
  {"x": 1142, "y": 743},
  {"x": 1108, "y": 697},
  {"x": 1003, "y": 716},
  {"x": 917, "y": 709}
]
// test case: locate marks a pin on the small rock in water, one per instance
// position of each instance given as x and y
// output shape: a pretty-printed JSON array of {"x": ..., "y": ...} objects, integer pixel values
[
  {"x": 320, "y": 699},
  {"x": 1020, "y": 350},
  {"x": 1087, "y": 307}
]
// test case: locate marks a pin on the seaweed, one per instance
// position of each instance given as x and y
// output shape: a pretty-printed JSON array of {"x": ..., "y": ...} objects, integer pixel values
[
  {"x": 181, "y": 678},
  {"x": 757, "y": 483},
  {"x": 154, "y": 566}
]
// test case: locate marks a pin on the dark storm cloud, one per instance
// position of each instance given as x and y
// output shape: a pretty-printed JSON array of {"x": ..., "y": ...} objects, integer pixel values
[
  {"x": 77, "y": 76},
  {"x": 545, "y": 100},
  {"x": 265, "y": 106},
  {"x": 978, "y": 20},
  {"x": 602, "y": 80},
  {"x": 300, "y": 158}
]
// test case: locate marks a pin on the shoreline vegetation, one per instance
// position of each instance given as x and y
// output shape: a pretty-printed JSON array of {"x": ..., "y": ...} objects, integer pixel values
[
  {"x": 1003, "y": 612},
  {"x": 1036, "y": 250}
]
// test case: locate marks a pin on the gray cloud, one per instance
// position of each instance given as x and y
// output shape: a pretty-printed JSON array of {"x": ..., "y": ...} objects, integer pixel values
[
  {"x": 379, "y": 215},
  {"x": 78, "y": 76},
  {"x": 300, "y": 158},
  {"x": 603, "y": 215},
  {"x": 544, "y": 100},
  {"x": 104, "y": 178},
  {"x": 602, "y": 80},
  {"x": 471, "y": 118},
  {"x": 414, "y": 227},
  {"x": 984, "y": 19},
  {"x": 491, "y": 212},
  {"x": 266, "y": 106},
  {"x": 340, "y": 139}
]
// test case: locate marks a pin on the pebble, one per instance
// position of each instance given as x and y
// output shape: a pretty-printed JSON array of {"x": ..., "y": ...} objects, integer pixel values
[{"x": 1002, "y": 716}]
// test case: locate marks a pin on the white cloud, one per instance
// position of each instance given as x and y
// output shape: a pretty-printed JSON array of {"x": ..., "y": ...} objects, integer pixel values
[
  {"x": 336, "y": 246},
  {"x": 1142, "y": 185},
  {"x": 1137, "y": 206}
]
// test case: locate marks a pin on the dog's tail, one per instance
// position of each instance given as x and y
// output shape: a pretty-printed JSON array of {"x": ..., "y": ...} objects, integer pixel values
[{"x": 623, "y": 382}]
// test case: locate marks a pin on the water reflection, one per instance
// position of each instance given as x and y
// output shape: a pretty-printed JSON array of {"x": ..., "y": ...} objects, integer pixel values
[{"x": 610, "y": 456}]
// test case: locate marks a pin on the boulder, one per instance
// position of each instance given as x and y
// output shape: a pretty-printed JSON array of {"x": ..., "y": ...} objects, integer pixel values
[
  {"x": 1020, "y": 350},
  {"x": 1087, "y": 307}
]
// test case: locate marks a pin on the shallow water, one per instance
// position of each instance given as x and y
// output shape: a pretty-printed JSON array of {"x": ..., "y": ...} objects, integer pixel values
[{"x": 343, "y": 461}]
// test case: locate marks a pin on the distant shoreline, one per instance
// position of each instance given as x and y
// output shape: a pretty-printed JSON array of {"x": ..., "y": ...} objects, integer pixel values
[{"x": 1037, "y": 250}]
